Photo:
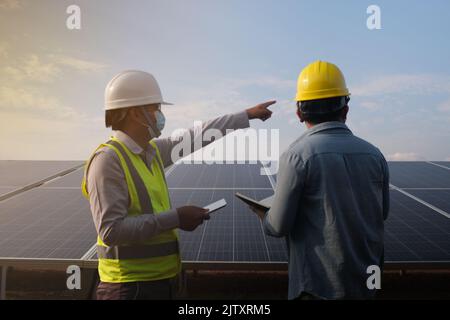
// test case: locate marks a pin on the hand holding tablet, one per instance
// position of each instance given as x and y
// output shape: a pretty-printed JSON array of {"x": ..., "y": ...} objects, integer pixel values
[
  {"x": 216, "y": 206},
  {"x": 259, "y": 207}
]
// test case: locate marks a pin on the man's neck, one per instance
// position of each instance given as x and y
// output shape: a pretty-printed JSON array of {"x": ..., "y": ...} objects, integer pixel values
[
  {"x": 141, "y": 138},
  {"x": 310, "y": 125}
]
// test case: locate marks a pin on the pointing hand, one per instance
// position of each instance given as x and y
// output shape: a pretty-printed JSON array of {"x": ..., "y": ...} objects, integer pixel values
[{"x": 260, "y": 111}]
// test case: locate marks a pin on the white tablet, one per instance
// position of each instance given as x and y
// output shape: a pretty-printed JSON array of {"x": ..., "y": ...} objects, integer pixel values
[{"x": 216, "y": 205}]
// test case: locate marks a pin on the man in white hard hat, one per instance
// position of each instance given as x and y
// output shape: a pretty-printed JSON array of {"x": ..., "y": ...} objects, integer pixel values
[{"x": 137, "y": 243}]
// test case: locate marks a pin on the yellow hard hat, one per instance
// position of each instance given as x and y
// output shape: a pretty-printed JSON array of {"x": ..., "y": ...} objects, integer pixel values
[{"x": 320, "y": 80}]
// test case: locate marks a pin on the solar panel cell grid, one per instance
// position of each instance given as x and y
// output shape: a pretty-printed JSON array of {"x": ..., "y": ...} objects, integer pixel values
[
  {"x": 418, "y": 175},
  {"x": 46, "y": 224},
  {"x": 232, "y": 234},
  {"x": 439, "y": 198},
  {"x": 5, "y": 190},
  {"x": 71, "y": 180},
  {"x": 217, "y": 176},
  {"x": 54, "y": 220},
  {"x": 21, "y": 173},
  {"x": 443, "y": 163},
  {"x": 417, "y": 231}
]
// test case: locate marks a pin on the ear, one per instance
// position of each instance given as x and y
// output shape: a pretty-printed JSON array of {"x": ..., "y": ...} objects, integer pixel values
[
  {"x": 344, "y": 113},
  {"x": 300, "y": 115}
]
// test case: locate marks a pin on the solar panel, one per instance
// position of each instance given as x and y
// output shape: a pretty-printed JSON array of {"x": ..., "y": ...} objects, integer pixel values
[
  {"x": 217, "y": 176},
  {"x": 442, "y": 163},
  {"x": 232, "y": 234},
  {"x": 54, "y": 220},
  {"x": 21, "y": 173},
  {"x": 5, "y": 190},
  {"x": 437, "y": 197},
  {"x": 46, "y": 223},
  {"x": 405, "y": 174},
  {"x": 415, "y": 232},
  {"x": 71, "y": 180},
  {"x": 237, "y": 235}
]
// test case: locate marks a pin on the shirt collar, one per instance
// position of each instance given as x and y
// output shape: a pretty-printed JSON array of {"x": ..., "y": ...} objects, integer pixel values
[
  {"x": 128, "y": 142},
  {"x": 330, "y": 125}
]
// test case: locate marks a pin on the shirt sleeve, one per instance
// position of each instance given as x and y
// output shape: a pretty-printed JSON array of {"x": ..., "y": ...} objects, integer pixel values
[
  {"x": 290, "y": 180},
  {"x": 109, "y": 202},
  {"x": 231, "y": 121}
]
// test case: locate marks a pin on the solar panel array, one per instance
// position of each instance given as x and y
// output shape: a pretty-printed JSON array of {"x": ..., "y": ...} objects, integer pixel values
[
  {"x": 415, "y": 232},
  {"x": 54, "y": 221},
  {"x": 50, "y": 221},
  {"x": 18, "y": 174},
  {"x": 233, "y": 234},
  {"x": 418, "y": 228}
]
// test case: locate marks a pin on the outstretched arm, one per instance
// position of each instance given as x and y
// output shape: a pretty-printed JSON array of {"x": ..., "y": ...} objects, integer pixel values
[{"x": 234, "y": 121}]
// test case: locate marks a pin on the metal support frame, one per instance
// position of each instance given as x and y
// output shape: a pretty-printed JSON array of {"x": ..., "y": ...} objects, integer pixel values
[
  {"x": 62, "y": 264},
  {"x": 3, "y": 283}
]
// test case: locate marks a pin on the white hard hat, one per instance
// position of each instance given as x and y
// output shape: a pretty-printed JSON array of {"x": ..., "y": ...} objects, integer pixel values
[{"x": 132, "y": 88}]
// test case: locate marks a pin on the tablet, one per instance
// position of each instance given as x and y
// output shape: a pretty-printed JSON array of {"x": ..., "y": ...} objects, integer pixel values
[
  {"x": 216, "y": 205},
  {"x": 262, "y": 205}
]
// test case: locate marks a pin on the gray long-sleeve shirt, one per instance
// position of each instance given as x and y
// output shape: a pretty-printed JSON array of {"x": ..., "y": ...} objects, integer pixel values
[
  {"x": 108, "y": 192},
  {"x": 331, "y": 200}
]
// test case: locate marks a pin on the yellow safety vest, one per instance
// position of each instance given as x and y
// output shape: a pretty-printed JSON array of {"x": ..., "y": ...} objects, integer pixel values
[{"x": 157, "y": 258}]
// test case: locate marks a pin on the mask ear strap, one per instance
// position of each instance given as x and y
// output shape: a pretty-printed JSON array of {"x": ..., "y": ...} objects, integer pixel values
[{"x": 154, "y": 132}]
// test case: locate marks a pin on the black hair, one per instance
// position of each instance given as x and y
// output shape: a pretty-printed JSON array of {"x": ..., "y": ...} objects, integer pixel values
[
  {"x": 323, "y": 110},
  {"x": 115, "y": 118}
]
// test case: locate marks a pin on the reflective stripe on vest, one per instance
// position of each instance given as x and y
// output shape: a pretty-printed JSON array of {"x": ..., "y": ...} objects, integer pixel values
[
  {"x": 144, "y": 199},
  {"x": 137, "y": 251}
]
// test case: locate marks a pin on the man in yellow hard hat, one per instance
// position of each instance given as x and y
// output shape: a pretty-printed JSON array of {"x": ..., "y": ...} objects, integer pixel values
[
  {"x": 332, "y": 195},
  {"x": 124, "y": 180}
]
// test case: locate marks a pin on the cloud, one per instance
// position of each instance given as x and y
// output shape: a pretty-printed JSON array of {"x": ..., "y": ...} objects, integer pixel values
[
  {"x": 44, "y": 138},
  {"x": 405, "y": 156},
  {"x": 412, "y": 84},
  {"x": 32, "y": 68},
  {"x": 20, "y": 92},
  {"x": 225, "y": 96},
  {"x": 46, "y": 70},
  {"x": 75, "y": 63},
  {"x": 33, "y": 101},
  {"x": 10, "y": 4}
]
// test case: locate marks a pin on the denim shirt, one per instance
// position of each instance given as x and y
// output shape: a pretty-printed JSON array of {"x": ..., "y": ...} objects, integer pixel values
[{"x": 331, "y": 200}]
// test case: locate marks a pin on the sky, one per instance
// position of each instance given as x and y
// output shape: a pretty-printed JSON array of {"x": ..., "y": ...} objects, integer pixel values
[{"x": 215, "y": 57}]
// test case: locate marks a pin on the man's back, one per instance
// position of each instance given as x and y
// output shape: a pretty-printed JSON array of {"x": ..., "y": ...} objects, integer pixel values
[{"x": 339, "y": 188}]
